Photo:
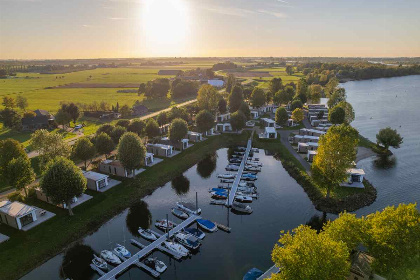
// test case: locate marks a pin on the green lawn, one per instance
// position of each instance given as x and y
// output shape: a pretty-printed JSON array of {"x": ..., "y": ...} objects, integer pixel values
[{"x": 43, "y": 240}]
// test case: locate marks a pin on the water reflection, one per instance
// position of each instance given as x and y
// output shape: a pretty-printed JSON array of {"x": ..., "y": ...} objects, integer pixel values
[
  {"x": 207, "y": 165},
  {"x": 385, "y": 162},
  {"x": 138, "y": 216},
  {"x": 181, "y": 185},
  {"x": 317, "y": 222},
  {"x": 76, "y": 263}
]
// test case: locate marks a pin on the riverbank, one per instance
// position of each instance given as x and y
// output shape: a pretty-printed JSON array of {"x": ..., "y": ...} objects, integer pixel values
[
  {"x": 50, "y": 238},
  {"x": 342, "y": 199}
]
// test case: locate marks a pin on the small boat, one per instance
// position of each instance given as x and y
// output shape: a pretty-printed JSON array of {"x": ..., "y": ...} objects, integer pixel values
[
  {"x": 189, "y": 208},
  {"x": 256, "y": 150},
  {"x": 196, "y": 232},
  {"x": 217, "y": 190},
  {"x": 223, "y": 186},
  {"x": 229, "y": 181},
  {"x": 99, "y": 263},
  {"x": 243, "y": 198},
  {"x": 147, "y": 234},
  {"x": 239, "y": 153},
  {"x": 219, "y": 195},
  {"x": 252, "y": 168},
  {"x": 155, "y": 264},
  {"x": 164, "y": 224},
  {"x": 241, "y": 148},
  {"x": 179, "y": 213},
  {"x": 249, "y": 176},
  {"x": 235, "y": 160},
  {"x": 240, "y": 207},
  {"x": 254, "y": 163},
  {"x": 226, "y": 176},
  {"x": 187, "y": 240},
  {"x": 207, "y": 225},
  {"x": 177, "y": 248},
  {"x": 122, "y": 252},
  {"x": 110, "y": 257},
  {"x": 253, "y": 274},
  {"x": 250, "y": 194},
  {"x": 232, "y": 167}
]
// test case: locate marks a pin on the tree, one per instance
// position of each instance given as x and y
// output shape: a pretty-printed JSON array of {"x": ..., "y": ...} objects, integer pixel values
[
  {"x": 62, "y": 181},
  {"x": 104, "y": 144},
  {"x": 84, "y": 150},
  {"x": 281, "y": 116},
  {"x": 62, "y": 117},
  {"x": 137, "y": 126},
  {"x": 258, "y": 97},
  {"x": 337, "y": 115},
  {"x": 125, "y": 111},
  {"x": 296, "y": 104},
  {"x": 302, "y": 97},
  {"x": 9, "y": 102},
  {"x": 106, "y": 128},
  {"x": 11, "y": 119},
  {"x": 142, "y": 88},
  {"x": 10, "y": 149},
  {"x": 284, "y": 96},
  {"x": 302, "y": 89},
  {"x": 348, "y": 109},
  {"x": 29, "y": 114},
  {"x": 298, "y": 115},
  {"x": 308, "y": 255},
  {"x": 244, "y": 108},
  {"x": 393, "y": 236},
  {"x": 231, "y": 82},
  {"x": 248, "y": 91},
  {"x": 117, "y": 132},
  {"x": 315, "y": 93},
  {"x": 275, "y": 85},
  {"x": 221, "y": 106},
  {"x": 289, "y": 70},
  {"x": 21, "y": 102},
  {"x": 338, "y": 96},
  {"x": 388, "y": 137},
  {"x": 131, "y": 151},
  {"x": 235, "y": 98},
  {"x": 204, "y": 121},
  {"x": 178, "y": 112},
  {"x": 157, "y": 88},
  {"x": 49, "y": 145},
  {"x": 237, "y": 120},
  {"x": 19, "y": 173},
  {"x": 152, "y": 128},
  {"x": 73, "y": 110},
  {"x": 331, "y": 86},
  {"x": 336, "y": 152},
  {"x": 184, "y": 88},
  {"x": 178, "y": 130},
  {"x": 208, "y": 98},
  {"x": 123, "y": 123},
  {"x": 346, "y": 228},
  {"x": 162, "y": 118}
]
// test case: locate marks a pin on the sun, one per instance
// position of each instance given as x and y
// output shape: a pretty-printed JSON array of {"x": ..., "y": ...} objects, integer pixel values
[{"x": 165, "y": 25}]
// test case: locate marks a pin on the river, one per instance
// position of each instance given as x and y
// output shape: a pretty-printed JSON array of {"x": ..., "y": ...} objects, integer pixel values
[{"x": 282, "y": 204}]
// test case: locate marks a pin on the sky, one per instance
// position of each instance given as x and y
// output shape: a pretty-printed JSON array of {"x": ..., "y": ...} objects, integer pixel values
[{"x": 62, "y": 29}]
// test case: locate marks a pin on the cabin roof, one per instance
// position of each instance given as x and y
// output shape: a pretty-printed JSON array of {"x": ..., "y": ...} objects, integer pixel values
[
  {"x": 95, "y": 176},
  {"x": 15, "y": 208}
]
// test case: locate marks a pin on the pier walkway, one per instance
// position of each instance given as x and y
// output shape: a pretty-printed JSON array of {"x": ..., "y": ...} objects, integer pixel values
[
  {"x": 235, "y": 184},
  {"x": 135, "y": 259}
]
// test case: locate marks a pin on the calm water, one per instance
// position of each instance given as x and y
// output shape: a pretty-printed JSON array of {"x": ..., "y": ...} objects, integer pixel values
[
  {"x": 282, "y": 204},
  {"x": 393, "y": 102}
]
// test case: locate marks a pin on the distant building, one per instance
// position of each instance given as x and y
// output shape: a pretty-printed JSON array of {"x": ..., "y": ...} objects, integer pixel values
[
  {"x": 223, "y": 117},
  {"x": 223, "y": 127},
  {"x": 354, "y": 179},
  {"x": 268, "y": 122},
  {"x": 180, "y": 145},
  {"x": 194, "y": 136},
  {"x": 139, "y": 110},
  {"x": 42, "y": 120},
  {"x": 112, "y": 167},
  {"x": 269, "y": 133},
  {"x": 216, "y": 83},
  {"x": 160, "y": 150},
  {"x": 96, "y": 181},
  {"x": 170, "y": 72}
]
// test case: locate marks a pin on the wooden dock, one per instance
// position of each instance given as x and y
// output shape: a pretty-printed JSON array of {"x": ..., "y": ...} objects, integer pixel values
[
  {"x": 148, "y": 269},
  {"x": 237, "y": 180},
  {"x": 156, "y": 245}
]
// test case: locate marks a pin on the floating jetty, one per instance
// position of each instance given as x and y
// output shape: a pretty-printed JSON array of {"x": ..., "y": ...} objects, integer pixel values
[
  {"x": 155, "y": 245},
  {"x": 97, "y": 269},
  {"x": 153, "y": 272}
]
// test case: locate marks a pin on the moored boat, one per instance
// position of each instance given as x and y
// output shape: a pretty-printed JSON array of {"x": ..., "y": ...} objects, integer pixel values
[
  {"x": 178, "y": 248},
  {"x": 99, "y": 263},
  {"x": 147, "y": 234},
  {"x": 122, "y": 252},
  {"x": 207, "y": 225},
  {"x": 241, "y": 207},
  {"x": 155, "y": 264},
  {"x": 110, "y": 257},
  {"x": 219, "y": 195},
  {"x": 243, "y": 198},
  {"x": 164, "y": 224},
  {"x": 226, "y": 176},
  {"x": 179, "y": 213},
  {"x": 229, "y": 181},
  {"x": 189, "y": 208},
  {"x": 187, "y": 240},
  {"x": 196, "y": 232}
]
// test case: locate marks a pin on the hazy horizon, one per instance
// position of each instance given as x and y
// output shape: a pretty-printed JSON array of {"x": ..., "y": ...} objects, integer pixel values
[{"x": 84, "y": 29}]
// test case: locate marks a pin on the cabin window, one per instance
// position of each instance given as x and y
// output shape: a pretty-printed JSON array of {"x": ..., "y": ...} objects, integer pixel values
[{"x": 27, "y": 219}]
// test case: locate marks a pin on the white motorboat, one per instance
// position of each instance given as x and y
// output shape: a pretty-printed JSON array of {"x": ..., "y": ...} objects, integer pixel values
[
  {"x": 229, "y": 181},
  {"x": 196, "y": 232},
  {"x": 189, "y": 208},
  {"x": 99, "y": 263},
  {"x": 122, "y": 252},
  {"x": 155, "y": 264},
  {"x": 254, "y": 163},
  {"x": 253, "y": 168},
  {"x": 187, "y": 240},
  {"x": 110, "y": 257},
  {"x": 241, "y": 148},
  {"x": 232, "y": 167},
  {"x": 250, "y": 194},
  {"x": 147, "y": 234},
  {"x": 243, "y": 198},
  {"x": 179, "y": 213},
  {"x": 165, "y": 225},
  {"x": 240, "y": 207},
  {"x": 177, "y": 248},
  {"x": 226, "y": 176}
]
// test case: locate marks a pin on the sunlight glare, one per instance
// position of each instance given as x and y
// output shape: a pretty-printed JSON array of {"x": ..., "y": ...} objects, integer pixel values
[{"x": 165, "y": 26}]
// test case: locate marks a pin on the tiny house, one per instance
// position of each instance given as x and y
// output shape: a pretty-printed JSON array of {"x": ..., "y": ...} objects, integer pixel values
[
  {"x": 194, "y": 136},
  {"x": 97, "y": 181},
  {"x": 160, "y": 149},
  {"x": 16, "y": 214}
]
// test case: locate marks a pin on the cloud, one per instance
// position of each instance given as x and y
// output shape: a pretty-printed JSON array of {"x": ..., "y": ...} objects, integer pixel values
[
  {"x": 229, "y": 11},
  {"x": 119, "y": 18},
  {"x": 282, "y": 1},
  {"x": 272, "y": 13}
]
